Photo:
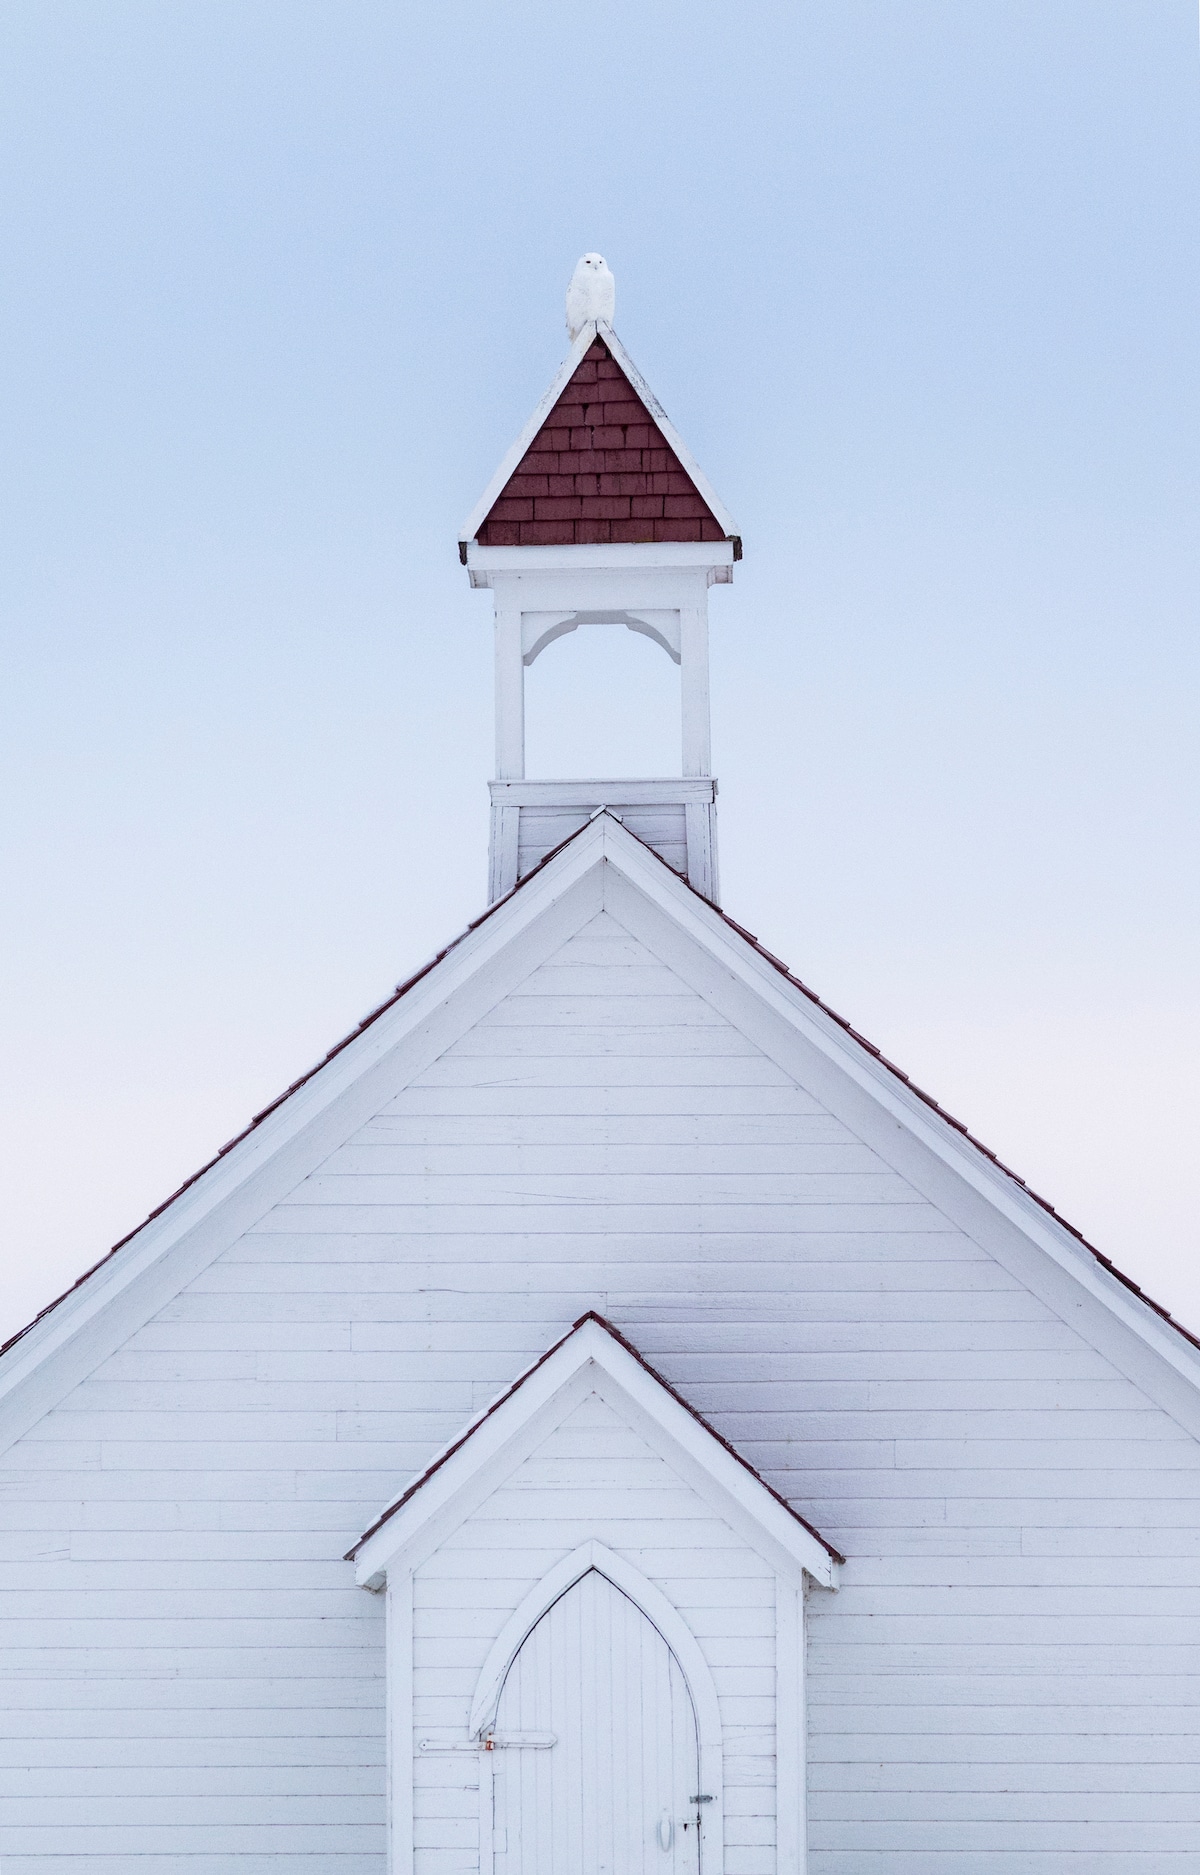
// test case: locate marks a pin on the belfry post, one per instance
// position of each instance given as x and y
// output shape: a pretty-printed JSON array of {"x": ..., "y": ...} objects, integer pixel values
[{"x": 599, "y": 515}]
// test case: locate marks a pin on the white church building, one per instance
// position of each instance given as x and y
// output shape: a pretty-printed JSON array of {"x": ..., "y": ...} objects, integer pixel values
[{"x": 603, "y": 1419}]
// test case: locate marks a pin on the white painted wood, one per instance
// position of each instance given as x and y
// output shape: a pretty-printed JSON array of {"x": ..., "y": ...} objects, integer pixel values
[
  {"x": 616, "y": 793},
  {"x": 693, "y": 638},
  {"x": 675, "y": 817},
  {"x": 540, "y": 629},
  {"x": 590, "y": 1556},
  {"x": 791, "y": 1732},
  {"x": 1006, "y": 1679},
  {"x": 487, "y": 1585},
  {"x": 666, "y": 833},
  {"x": 400, "y": 1744},
  {"x": 634, "y": 560},
  {"x": 616, "y": 1790},
  {"x": 510, "y": 689},
  {"x": 588, "y": 1363},
  {"x": 503, "y": 850},
  {"x": 548, "y": 812},
  {"x": 701, "y": 831},
  {"x": 638, "y": 1444}
]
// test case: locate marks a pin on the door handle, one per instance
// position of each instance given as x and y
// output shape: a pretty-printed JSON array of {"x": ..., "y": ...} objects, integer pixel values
[{"x": 666, "y": 1833}]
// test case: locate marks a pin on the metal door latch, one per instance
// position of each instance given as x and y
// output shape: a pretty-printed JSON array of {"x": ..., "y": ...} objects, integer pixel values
[
  {"x": 518, "y": 1741},
  {"x": 506, "y": 1741}
]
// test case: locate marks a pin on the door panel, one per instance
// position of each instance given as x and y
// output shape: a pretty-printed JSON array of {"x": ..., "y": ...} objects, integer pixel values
[{"x": 613, "y": 1795}]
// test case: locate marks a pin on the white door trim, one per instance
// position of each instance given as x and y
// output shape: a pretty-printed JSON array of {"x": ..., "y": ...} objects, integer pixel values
[{"x": 399, "y": 1629}]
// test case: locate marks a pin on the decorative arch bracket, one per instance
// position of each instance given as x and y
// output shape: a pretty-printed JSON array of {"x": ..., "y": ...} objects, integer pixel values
[{"x": 661, "y": 623}]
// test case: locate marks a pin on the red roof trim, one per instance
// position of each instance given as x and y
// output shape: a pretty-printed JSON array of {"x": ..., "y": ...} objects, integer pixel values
[{"x": 502, "y": 1399}]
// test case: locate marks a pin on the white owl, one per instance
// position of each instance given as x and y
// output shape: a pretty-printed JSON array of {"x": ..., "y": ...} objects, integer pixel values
[{"x": 592, "y": 294}]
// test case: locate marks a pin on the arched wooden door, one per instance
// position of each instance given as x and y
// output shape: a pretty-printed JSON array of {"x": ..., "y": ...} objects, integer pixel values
[{"x": 615, "y": 1792}]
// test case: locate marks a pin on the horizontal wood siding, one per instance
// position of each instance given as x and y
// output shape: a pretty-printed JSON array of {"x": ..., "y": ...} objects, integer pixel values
[
  {"x": 1008, "y": 1680},
  {"x": 541, "y": 829}
]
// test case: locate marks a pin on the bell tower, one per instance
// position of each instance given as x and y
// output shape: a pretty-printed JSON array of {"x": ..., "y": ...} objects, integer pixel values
[{"x": 599, "y": 515}]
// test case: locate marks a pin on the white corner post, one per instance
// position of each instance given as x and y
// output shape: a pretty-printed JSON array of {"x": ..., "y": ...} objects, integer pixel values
[
  {"x": 399, "y": 1614},
  {"x": 700, "y": 816},
  {"x": 791, "y": 1728},
  {"x": 658, "y": 589},
  {"x": 510, "y": 740}
]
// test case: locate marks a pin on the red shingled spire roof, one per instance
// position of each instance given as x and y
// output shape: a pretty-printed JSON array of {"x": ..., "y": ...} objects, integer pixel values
[
  {"x": 599, "y": 469},
  {"x": 599, "y": 463}
]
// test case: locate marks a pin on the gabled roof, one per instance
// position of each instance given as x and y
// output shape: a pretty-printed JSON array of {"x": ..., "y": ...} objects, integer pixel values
[
  {"x": 598, "y": 461},
  {"x": 753, "y": 989},
  {"x": 591, "y": 1357}
]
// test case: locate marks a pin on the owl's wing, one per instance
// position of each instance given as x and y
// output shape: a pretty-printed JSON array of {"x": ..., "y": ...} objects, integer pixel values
[{"x": 577, "y": 309}]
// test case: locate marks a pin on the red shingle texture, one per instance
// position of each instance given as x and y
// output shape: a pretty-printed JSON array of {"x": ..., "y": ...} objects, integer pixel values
[{"x": 599, "y": 469}]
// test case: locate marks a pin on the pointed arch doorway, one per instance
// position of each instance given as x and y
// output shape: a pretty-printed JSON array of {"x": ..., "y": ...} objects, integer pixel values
[
  {"x": 596, "y": 1764},
  {"x": 452, "y": 1552}
]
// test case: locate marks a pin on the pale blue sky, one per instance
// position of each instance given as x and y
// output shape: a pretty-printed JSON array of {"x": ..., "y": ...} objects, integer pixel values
[{"x": 919, "y": 280}]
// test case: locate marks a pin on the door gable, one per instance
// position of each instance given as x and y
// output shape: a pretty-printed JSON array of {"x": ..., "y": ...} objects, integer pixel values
[{"x": 591, "y": 1359}]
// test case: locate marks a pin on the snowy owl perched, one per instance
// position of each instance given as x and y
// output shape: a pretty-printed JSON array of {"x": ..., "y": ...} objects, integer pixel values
[{"x": 592, "y": 294}]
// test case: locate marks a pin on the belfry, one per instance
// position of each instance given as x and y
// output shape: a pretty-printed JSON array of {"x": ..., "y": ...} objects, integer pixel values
[{"x": 599, "y": 515}]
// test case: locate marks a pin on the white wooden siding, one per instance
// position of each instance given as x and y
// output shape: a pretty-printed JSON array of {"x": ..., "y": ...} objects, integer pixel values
[
  {"x": 1006, "y": 1683},
  {"x": 662, "y": 826}
]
